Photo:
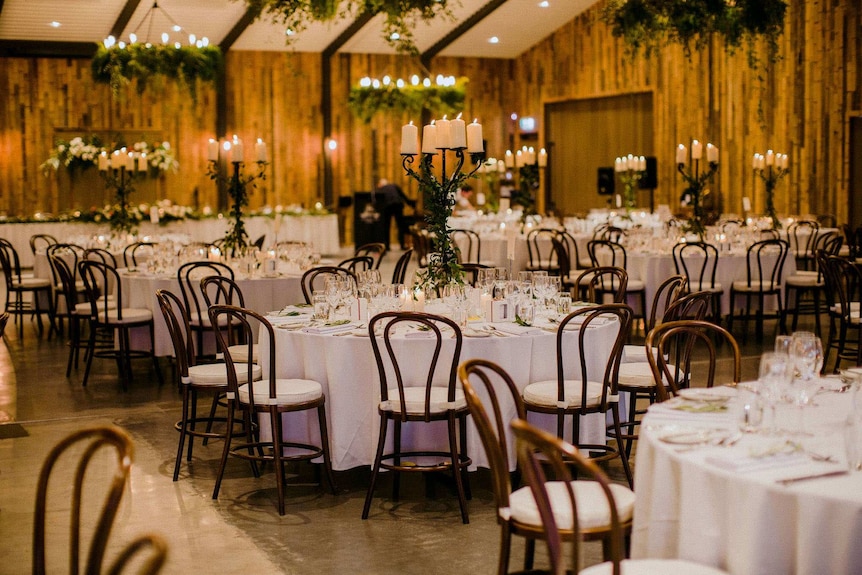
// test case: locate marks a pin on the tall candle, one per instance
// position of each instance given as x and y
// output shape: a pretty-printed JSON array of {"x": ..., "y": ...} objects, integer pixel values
[
  {"x": 457, "y": 134},
  {"x": 711, "y": 154},
  {"x": 618, "y": 165},
  {"x": 260, "y": 150},
  {"x": 444, "y": 135},
  {"x": 130, "y": 162},
  {"x": 543, "y": 158},
  {"x": 754, "y": 161},
  {"x": 104, "y": 163},
  {"x": 746, "y": 204},
  {"x": 696, "y": 150},
  {"x": 619, "y": 201},
  {"x": 237, "y": 153},
  {"x": 409, "y": 139},
  {"x": 475, "y": 144},
  {"x": 770, "y": 158},
  {"x": 511, "y": 234},
  {"x": 501, "y": 167},
  {"x": 510, "y": 159},
  {"x": 681, "y": 154},
  {"x": 429, "y": 138},
  {"x": 212, "y": 150},
  {"x": 519, "y": 159},
  {"x": 641, "y": 164},
  {"x": 142, "y": 162}
]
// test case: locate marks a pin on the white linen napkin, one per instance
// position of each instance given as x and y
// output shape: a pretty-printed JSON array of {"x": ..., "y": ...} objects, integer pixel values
[
  {"x": 751, "y": 463},
  {"x": 515, "y": 329},
  {"x": 671, "y": 410},
  {"x": 327, "y": 329}
]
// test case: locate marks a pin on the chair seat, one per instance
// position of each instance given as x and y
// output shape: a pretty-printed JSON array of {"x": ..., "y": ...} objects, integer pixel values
[
  {"x": 130, "y": 315},
  {"x": 195, "y": 320},
  {"x": 415, "y": 400},
  {"x": 593, "y": 509},
  {"x": 26, "y": 283},
  {"x": 804, "y": 280},
  {"x": 85, "y": 307},
  {"x": 287, "y": 392},
  {"x": 216, "y": 374},
  {"x": 545, "y": 393},
  {"x": 543, "y": 265},
  {"x": 635, "y": 354},
  {"x": 694, "y": 287},
  {"x": 756, "y": 286},
  {"x": 636, "y": 375},
  {"x": 239, "y": 353},
  {"x": 635, "y": 285},
  {"x": 653, "y": 567}
]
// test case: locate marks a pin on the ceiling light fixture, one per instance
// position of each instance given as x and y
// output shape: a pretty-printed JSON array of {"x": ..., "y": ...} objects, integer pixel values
[
  {"x": 544, "y": 4},
  {"x": 493, "y": 40},
  {"x": 54, "y": 24}
]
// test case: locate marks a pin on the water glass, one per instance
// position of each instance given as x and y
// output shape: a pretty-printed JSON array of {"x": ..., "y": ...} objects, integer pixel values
[
  {"x": 853, "y": 442},
  {"x": 751, "y": 411},
  {"x": 564, "y": 304},
  {"x": 782, "y": 344},
  {"x": 321, "y": 305},
  {"x": 526, "y": 311}
]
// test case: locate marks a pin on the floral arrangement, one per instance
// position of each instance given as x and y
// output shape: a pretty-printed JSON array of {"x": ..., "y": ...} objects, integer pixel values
[
  {"x": 83, "y": 152},
  {"x": 401, "y": 15},
  {"x": 117, "y": 64},
  {"x": 444, "y": 96}
]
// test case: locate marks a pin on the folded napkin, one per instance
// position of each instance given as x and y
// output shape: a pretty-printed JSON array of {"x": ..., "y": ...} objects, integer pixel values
[
  {"x": 292, "y": 310},
  {"x": 419, "y": 334},
  {"x": 751, "y": 463},
  {"x": 332, "y": 328},
  {"x": 582, "y": 318},
  {"x": 679, "y": 408},
  {"x": 288, "y": 320},
  {"x": 515, "y": 329}
]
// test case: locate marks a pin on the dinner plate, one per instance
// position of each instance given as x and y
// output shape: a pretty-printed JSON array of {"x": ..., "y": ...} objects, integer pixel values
[
  {"x": 692, "y": 436},
  {"x": 709, "y": 395},
  {"x": 470, "y": 332}
]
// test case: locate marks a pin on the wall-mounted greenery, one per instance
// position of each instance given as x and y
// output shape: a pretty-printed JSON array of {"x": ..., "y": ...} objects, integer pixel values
[
  {"x": 119, "y": 64},
  {"x": 446, "y": 96},
  {"x": 397, "y": 28}
]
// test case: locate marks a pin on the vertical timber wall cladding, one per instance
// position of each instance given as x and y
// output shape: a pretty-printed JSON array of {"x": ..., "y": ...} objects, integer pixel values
[{"x": 802, "y": 107}]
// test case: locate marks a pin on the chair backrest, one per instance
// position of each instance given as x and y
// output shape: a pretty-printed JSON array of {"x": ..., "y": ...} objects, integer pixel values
[
  {"x": 607, "y": 253},
  {"x": 671, "y": 348},
  {"x": 389, "y": 362},
  {"x": 130, "y": 253},
  {"x": 358, "y": 264},
  {"x": 689, "y": 306},
  {"x": 697, "y": 261},
  {"x": 375, "y": 251},
  {"x": 667, "y": 293},
  {"x": 151, "y": 565},
  {"x": 472, "y": 271},
  {"x": 71, "y": 253},
  {"x": 101, "y": 279},
  {"x": 65, "y": 283},
  {"x": 469, "y": 245},
  {"x": 189, "y": 276},
  {"x": 843, "y": 280},
  {"x": 310, "y": 278},
  {"x": 10, "y": 263},
  {"x": 764, "y": 264},
  {"x": 245, "y": 320},
  {"x": 221, "y": 290},
  {"x": 826, "y": 220},
  {"x": 801, "y": 236},
  {"x": 400, "y": 271},
  {"x": 88, "y": 445},
  {"x": 481, "y": 378},
  {"x": 100, "y": 255},
  {"x": 584, "y": 319},
  {"x": 540, "y": 249},
  {"x": 41, "y": 241},
  {"x": 4, "y": 319},
  {"x": 603, "y": 280},
  {"x": 570, "y": 245},
  {"x": 177, "y": 319},
  {"x": 539, "y": 452},
  {"x": 730, "y": 225}
]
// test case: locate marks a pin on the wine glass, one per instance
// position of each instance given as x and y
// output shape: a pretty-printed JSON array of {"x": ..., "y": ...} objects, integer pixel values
[
  {"x": 501, "y": 277},
  {"x": 806, "y": 353},
  {"x": 776, "y": 370}
]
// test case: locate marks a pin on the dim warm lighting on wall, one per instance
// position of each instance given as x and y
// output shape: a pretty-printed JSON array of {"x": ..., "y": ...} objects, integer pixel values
[{"x": 331, "y": 144}]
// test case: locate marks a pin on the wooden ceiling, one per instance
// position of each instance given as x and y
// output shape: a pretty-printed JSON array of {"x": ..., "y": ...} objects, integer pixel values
[{"x": 69, "y": 28}]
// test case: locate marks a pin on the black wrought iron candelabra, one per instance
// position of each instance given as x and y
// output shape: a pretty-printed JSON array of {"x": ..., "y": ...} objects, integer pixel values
[
  {"x": 771, "y": 174},
  {"x": 443, "y": 266},
  {"x": 695, "y": 193},
  {"x": 236, "y": 239},
  {"x": 120, "y": 180}
]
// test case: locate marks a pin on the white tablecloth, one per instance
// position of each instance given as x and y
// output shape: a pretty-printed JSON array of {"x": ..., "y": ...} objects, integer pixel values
[
  {"x": 495, "y": 250},
  {"x": 743, "y": 521},
  {"x": 345, "y": 366},
  {"x": 321, "y": 231}
]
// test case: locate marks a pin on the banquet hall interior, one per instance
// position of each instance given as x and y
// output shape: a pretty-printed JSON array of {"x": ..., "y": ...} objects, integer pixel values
[{"x": 542, "y": 139}]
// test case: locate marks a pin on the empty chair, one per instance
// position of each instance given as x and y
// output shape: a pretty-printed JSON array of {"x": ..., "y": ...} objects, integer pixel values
[
  {"x": 269, "y": 398},
  {"x": 69, "y": 308},
  {"x": 844, "y": 294},
  {"x": 24, "y": 295},
  {"x": 100, "y": 255},
  {"x": 577, "y": 260},
  {"x": 135, "y": 251},
  {"x": 221, "y": 290},
  {"x": 595, "y": 283},
  {"x": 516, "y": 511},
  {"x": 70, "y": 254},
  {"x": 421, "y": 245},
  {"x": 358, "y": 264},
  {"x": 764, "y": 264},
  {"x": 313, "y": 279},
  {"x": 540, "y": 250},
  {"x": 539, "y": 451},
  {"x": 408, "y": 394},
  {"x": 375, "y": 251},
  {"x": 807, "y": 288},
  {"x": 610, "y": 253},
  {"x": 469, "y": 247},
  {"x": 400, "y": 271},
  {"x": 802, "y": 235},
  {"x": 41, "y": 242},
  {"x": 698, "y": 261},
  {"x": 189, "y": 276}
]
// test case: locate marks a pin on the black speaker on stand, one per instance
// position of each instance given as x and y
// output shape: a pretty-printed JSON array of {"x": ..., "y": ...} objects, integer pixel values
[
  {"x": 606, "y": 181},
  {"x": 649, "y": 181}
]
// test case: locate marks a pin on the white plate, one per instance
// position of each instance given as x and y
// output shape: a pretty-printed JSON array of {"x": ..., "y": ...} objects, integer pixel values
[
  {"x": 707, "y": 395},
  {"x": 470, "y": 332},
  {"x": 693, "y": 436}
]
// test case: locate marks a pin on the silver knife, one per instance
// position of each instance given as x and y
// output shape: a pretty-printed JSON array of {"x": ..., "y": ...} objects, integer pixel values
[{"x": 832, "y": 473}]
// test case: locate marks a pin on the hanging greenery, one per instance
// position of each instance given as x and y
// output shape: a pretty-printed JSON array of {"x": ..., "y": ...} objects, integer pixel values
[
  {"x": 401, "y": 15},
  {"x": 649, "y": 24},
  {"x": 118, "y": 65},
  {"x": 445, "y": 96}
]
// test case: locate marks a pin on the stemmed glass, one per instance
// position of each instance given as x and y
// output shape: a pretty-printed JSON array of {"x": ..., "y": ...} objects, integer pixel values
[
  {"x": 776, "y": 369},
  {"x": 332, "y": 289},
  {"x": 501, "y": 278},
  {"x": 456, "y": 298},
  {"x": 806, "y": 354}
]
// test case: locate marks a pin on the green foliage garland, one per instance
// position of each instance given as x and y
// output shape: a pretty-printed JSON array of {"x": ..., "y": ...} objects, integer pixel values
[{"x": 408, "y": 99}]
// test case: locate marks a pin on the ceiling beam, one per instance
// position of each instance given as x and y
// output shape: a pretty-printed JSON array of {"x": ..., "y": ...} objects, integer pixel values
[
  {"x": 124, "y": 17},
  {"x": 42, "y": 49},
  {"x": 241, "y": 26},
  {"x": 459, "y": 31}
]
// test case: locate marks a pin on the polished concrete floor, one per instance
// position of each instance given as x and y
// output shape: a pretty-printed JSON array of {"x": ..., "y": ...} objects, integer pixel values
[{"x": 241, "y": 532}]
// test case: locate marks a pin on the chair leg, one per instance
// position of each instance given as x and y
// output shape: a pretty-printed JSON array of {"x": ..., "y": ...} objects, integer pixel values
[
  {"x": 396, "y": 444},
  {"x": 456, "y": 469},
  {"x": 91, "y": 351},
  {"x": 192, "y": 411},
  {"x": 183, "y": 427},
  {"x": 529, "y": 553},
  {"x": 375, "y": 467},
  {"x": 615, "y": 411},
  {"x": 224, "y": 452},
  {"x": 278, "y": 455},
  {"x": 324, "y": 440},
  {"x": 213, "y": 409},
  {"x": 505, "y": 549}
]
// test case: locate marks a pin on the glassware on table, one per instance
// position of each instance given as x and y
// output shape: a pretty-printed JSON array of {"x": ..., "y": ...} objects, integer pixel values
[
  {"x": 564, "y": 304},
  {"x": 853, "y": 442},
  {"x": 776, "y": 370},
  {"x": 456, "y": 298},
  {"x": 321, "y": 305},
  {"x": 782, "y": 343},
  {"x": 501, "y": 279},
  {"x": 526, "y": 312},
  {"x": 806, "y": 353}
]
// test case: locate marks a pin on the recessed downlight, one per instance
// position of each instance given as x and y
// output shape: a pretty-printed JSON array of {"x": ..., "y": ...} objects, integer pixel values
[
  {"x": 54, "y": 24},
  {"x": 493, "y": 40},
  {"x": 544, "y": 4}
]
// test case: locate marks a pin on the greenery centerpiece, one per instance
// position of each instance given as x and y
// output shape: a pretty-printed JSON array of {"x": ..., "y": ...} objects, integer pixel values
[
  {"x": 696, "y": 181},
  {"x": 441, "y": 139},
  {"x": 445, "y": 95},
  {"x": 631, "y": 170},
  {"x": 82, "y": 152},
  {"x": 400, "y": 15},
  {"x": 119, "y": 172},
  {"x": 771, "y": 168}
]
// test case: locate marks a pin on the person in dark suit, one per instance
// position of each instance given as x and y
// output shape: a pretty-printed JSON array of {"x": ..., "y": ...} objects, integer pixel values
[{"x": 391, "y": 199}]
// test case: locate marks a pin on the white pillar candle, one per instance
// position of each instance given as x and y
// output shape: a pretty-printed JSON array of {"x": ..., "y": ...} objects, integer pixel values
[
  {"x": 212, "y": 150},
  {"x": 104, "y": 163},
  {"x": 457, "y": 134},
  {"x": 618, "y": 165},
  {"x": 519, "y": 159},
  {"x": 409, "y": 139},
  {"x": 531, "y": 155},
  {"x": 543, "y": 158},
  {"x": 754, "y": 161},
  {"x": 130, "y": 162},
  {"x": 444, "y": 135},
  {"x": 681, "y": 154},
  {"x": 711, "y": 154},
  {"x": 260, "y": 150},
  {"x": 142, "y": 163},
  {"x": 501, "y": 167},
  {"x": 237, "y": 153},
  {"x": 770, "y": 158},
  {"x": 418, "y": 300},
  {"x": 510, "y": 159},
  {"x": 619, "y": 201},
  {"x": 475, "y": 143},
  {"x": 154, "y": 214},
  {"x": 429, "y": 138},
  {"x": 696, "y": 150},
  {"x": 784, "y": 161},
  {"x": 746, "y": 204},
  {"x": 641, "y": 164}
]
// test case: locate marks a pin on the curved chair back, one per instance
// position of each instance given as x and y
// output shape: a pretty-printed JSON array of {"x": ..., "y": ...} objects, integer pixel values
[
  {"x": 540, "y": 250},
  {"x": 41, "y": 241},
  {"x": 597, "y": 282},
  {"x": 667, "y": 294},
  {"x": 697, "y": 261},
  {"x": 358, "y": 264},
  {"x": 100, "y": 255},
  {"x": 100, "y": 281},
  {"x": 389, "y": 362},
  {"x": 570, "y": 245},
  {"x": 670, "y": 350},
  {"x": 469, "y": 246},
  {"x": 189, "y": 276},
  {"x": 375, "y": 251},
  {"x": 607, "y": 253},
  {"x": 314, "y": 275},
  {"x": 221, "y": 290},
  {"x": 802, "y": 235},
  {"x": 149, "y": 565},
  {"x": 10, "y": 263},
  {"x": 177, "y": 319},
  {"x": 400, "y": 271},
  {"x": 764, "y": 264},
  {"x": 421, "y": 245},
  {"x": 690, "y": 306},
  {"x": 130, "y": 253}
]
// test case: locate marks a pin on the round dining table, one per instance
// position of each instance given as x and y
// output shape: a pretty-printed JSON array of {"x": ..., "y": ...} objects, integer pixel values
[
  {"x": 343, "y": 363},
  {"x": 780, "y": 503}
]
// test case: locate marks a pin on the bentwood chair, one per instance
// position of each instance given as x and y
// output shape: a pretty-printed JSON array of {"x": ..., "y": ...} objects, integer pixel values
[
  {"x": 540, "y": 452},
  {"x": 100, "y": 255},
  {"x": 577, "y": 392},
  {"x": 672, "y": 346},
  {"x": 315, "y": 277},
  {"x": 189, "y": 276},
  {"x": 595, "y": 283},
  {"x": 494, "y": 401},
  {"x": 540, "y": 250},
  {"x": 470, "y": 247},
  {"x": 271, "y": 398},
  {"x": 764, "y": 265},
  {"x": 802, "y": 235},
  {"x": 209, "y": 379},
  {"x": 844, "y": 296},
  {"x": 358, "y": 264},
  {"x": 421, "y": 245},
  {"x": 41, "y": 242},
  {"x": 67, "y": 306},
  {"x": 222, "y": 290},
  {"x": 698, "y": 262},
  {"x": 424, "y": 397},
  {"x": 70, "y": 254},
  {"x": 101, "y": 452},
  {"x": 806, "y": 289},
  {"x": 108, "y": 315},
  {"x": 24, "y": 295},
  {"x": 400, "y": 271},
  {"x": 136, "y": 250},
  {"x": 375, "y": 251},
  {"x": 4, "y": 319},
  {"x": 608, "y": 253}
]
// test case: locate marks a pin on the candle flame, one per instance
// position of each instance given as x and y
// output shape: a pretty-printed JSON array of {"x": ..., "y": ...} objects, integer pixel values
[{"x": 459, "y": 116}]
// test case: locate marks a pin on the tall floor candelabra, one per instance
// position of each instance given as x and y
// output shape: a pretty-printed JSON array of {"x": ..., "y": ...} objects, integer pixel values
[
  {"x": 771, "y": 167},
  {"x": 631, "y": 169},
  {"x": 119, "y": 172},
  {"x": 696, "y": 191}
]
